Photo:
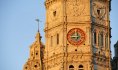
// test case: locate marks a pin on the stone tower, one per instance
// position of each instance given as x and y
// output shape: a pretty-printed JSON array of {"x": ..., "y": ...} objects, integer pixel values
[
  {"x": 36, "y": 55},
  {"x": 77, "y": 35}
]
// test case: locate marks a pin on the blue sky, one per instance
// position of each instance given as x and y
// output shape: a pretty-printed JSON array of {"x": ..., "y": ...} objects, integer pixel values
[{"x": 18, "y": 29}]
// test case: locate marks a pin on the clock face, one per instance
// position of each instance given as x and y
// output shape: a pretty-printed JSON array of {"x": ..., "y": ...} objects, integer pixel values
[{"x": 76, "y": 36}]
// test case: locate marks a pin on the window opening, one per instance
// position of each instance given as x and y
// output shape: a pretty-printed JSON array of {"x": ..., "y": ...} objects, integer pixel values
[
  {"x": 98, "y": 11},
  {"x": 54, "y": 13},
  {"x": 71, "y": 67},
  {"x": 81, "y": 67},
  {"x": 57, "y": 38},
  {"x": 94, "y": 38},
  {"x": 35, "y": 66},
  {"x": 36, "y": 53}
]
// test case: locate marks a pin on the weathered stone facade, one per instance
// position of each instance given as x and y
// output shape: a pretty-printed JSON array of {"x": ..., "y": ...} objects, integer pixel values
[{"x": 77, "y": 34}]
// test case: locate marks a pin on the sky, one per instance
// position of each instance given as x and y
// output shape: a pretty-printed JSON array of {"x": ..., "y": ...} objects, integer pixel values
[{"x": 18, "y": 29}]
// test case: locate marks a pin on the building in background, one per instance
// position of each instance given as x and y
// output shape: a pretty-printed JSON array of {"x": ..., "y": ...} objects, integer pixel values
[
  {"x": 115, "y": 58},
  {"x": 36, "y": 55},
  {"x": 77, "y": 34}
]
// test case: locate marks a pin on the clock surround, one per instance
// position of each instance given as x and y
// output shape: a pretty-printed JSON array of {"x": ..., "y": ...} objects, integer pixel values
[{"x": 76, "y": 36}]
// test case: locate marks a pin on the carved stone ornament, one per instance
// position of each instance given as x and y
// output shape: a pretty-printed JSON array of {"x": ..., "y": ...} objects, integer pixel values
[
  {"x": 75, "y": 7},
  {"x": 54, "y": 13},
  {"x": 99, "y": 10}
]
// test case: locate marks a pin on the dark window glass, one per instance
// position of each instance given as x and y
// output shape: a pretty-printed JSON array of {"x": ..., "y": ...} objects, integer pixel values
[
  {"x": 98, "y": 11},
  {"x": 71, "y": 67},
  {"x": 57, "y": 38},
  {"x": 94, "y": 37},
  {"x": 81, "y": 67}
]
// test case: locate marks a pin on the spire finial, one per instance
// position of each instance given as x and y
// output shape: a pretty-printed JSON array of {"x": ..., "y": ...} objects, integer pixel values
[{"x": 38, "y": 23}]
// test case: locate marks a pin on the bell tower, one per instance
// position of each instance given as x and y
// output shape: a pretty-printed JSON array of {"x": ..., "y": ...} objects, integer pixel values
[
  {"x": 36, "y": 55},
  {"x": 77, "y": 35}
]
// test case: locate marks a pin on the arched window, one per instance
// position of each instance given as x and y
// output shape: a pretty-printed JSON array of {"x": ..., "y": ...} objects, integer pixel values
[
  {"x": 81, "y": 67},
  {"x": 71, "y": 67}
]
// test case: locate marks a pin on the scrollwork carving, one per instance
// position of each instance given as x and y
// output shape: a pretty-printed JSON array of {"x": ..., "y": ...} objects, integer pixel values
[{"x": 75, "y": 8}]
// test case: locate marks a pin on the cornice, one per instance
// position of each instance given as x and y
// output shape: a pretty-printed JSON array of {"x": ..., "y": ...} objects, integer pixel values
[
  {"x": 68, "y": 23},
  {"x": 46, "y": 29}
]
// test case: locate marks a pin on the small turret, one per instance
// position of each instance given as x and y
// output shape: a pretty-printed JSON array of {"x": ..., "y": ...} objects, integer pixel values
[{"x": 36, "y": 54}]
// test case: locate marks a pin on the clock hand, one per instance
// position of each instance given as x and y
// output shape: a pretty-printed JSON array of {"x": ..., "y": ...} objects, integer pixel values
[
  {"x": 75, "y": 31},
  {"x": 75, "y": 36}
]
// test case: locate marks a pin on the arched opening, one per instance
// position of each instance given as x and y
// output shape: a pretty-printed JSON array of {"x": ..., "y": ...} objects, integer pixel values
[
  {"x": 81, "y": 67},
  {"x": 57, "y": 39},
  {"x": 98, "y": 11},
  {"x": 94, "y": 38},
  {"x": 71, "y": 67}
]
